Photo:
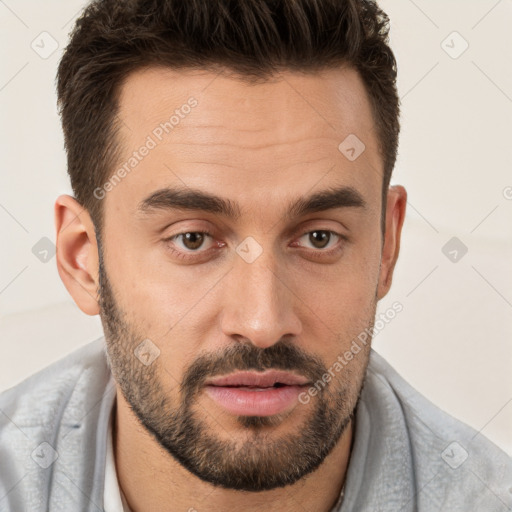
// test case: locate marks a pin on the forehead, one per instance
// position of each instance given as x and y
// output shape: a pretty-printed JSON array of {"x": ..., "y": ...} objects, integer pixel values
[
  {"x": 212, "y": 131},
  {"x": 329, "y": 103}
]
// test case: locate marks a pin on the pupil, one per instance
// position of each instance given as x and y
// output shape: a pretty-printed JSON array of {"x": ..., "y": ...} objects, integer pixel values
[
  {"x": 324, "y": 235},
  {"x": 193, "y": 240}
]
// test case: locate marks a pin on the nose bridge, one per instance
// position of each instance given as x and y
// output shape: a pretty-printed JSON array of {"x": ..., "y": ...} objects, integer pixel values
[{"x": 258, "y": 305}]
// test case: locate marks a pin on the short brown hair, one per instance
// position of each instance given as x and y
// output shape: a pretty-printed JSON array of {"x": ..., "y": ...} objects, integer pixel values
[{"x": 251, "y": 38}]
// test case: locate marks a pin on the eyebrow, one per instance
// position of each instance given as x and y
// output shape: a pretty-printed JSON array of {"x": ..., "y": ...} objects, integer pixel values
[{"x": 193, "y": 199}]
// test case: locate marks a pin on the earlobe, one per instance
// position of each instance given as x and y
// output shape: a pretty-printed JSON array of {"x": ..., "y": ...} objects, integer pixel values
[
  {"x": 395, "y": 216},
  {"x": 77, "y": 253}
]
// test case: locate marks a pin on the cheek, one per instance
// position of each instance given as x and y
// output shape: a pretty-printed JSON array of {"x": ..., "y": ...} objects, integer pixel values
[
  {"x": 168, "y": 305},
  {"x": 153, "y": 291},
  {"x": 342, "y": 291},
  {"x": 338, "y": 303}
]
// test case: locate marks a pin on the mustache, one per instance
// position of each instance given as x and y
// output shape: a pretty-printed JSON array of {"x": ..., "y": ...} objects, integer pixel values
[{"x": 283, "y": 355}]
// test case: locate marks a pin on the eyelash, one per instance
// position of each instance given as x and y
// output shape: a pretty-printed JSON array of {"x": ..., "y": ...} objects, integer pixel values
[{"x": 189, "y": 255}]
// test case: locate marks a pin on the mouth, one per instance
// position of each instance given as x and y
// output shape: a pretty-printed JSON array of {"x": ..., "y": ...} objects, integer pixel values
[{"x": 256, "y": 393}]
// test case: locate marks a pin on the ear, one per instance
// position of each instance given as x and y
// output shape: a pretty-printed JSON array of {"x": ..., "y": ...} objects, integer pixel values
[
  {"x": 395, "y": 215},
  {"x": 77, "y": 253}
]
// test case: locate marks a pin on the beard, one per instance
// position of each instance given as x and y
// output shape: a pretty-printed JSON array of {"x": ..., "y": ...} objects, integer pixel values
[{"x": 258, "y": 460}]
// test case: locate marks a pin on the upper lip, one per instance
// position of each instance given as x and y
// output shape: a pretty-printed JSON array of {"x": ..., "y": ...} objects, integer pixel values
[{"x": 261, "y": 379}]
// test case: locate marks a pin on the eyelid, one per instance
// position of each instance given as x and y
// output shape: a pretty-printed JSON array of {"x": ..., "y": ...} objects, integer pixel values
[
  {"x": 339, "y": 235},
  {"x": 191, "y": 255},
  {"x": 188, "y": 256},
  {"x": 206, "y": 232}
]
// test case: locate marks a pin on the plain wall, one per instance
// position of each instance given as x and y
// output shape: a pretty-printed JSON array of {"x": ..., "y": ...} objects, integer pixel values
[{"x": 452, "y": 341}]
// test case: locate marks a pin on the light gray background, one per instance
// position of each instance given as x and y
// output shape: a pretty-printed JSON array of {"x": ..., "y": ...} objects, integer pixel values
[{"x": 452, "y": 340}]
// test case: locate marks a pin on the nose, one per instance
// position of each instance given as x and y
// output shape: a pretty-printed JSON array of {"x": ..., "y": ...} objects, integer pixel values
[{"x": 259, "y": 304}]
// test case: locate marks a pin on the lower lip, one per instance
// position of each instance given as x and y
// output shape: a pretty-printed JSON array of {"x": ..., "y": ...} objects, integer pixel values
[{"x": 247, "y": 402}]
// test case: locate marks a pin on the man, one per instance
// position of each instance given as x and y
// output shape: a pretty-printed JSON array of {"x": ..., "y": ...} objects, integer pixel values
[{"x": 234, "y": 227}]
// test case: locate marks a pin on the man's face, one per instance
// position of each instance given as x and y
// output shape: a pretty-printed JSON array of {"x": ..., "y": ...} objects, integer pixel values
[{"x": 267, "y": 288}]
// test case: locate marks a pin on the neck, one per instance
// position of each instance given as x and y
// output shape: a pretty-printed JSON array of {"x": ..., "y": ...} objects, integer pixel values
[{"x": 152, "y": 480}]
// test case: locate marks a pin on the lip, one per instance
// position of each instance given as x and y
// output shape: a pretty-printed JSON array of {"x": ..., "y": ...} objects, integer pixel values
[
  {"x": 254, "y": 393},
  {"x": 259, "y": 379}
]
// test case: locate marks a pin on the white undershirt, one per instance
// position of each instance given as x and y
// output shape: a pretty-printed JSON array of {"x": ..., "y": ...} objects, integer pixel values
[{"x": 113, "y": 500}]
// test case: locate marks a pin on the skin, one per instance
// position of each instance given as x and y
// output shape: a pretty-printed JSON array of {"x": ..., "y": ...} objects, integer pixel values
[{"x": 262, "y": 146}]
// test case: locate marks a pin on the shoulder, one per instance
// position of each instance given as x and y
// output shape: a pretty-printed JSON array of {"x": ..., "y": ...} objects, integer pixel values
[
  {"x": 34, "y": 398},
  {"x": 451, "y": 460},
  {"x": 52, "y": 430}
]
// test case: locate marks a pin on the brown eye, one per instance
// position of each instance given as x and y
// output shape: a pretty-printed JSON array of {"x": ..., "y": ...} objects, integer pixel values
[
  {"x": 193, "y": 246},
  {"x": 189, "y": 241},
  {"x": 320, "y": 239},
  {"x": 322, "y": 244},
  {"x": 192, "y": 240}
]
